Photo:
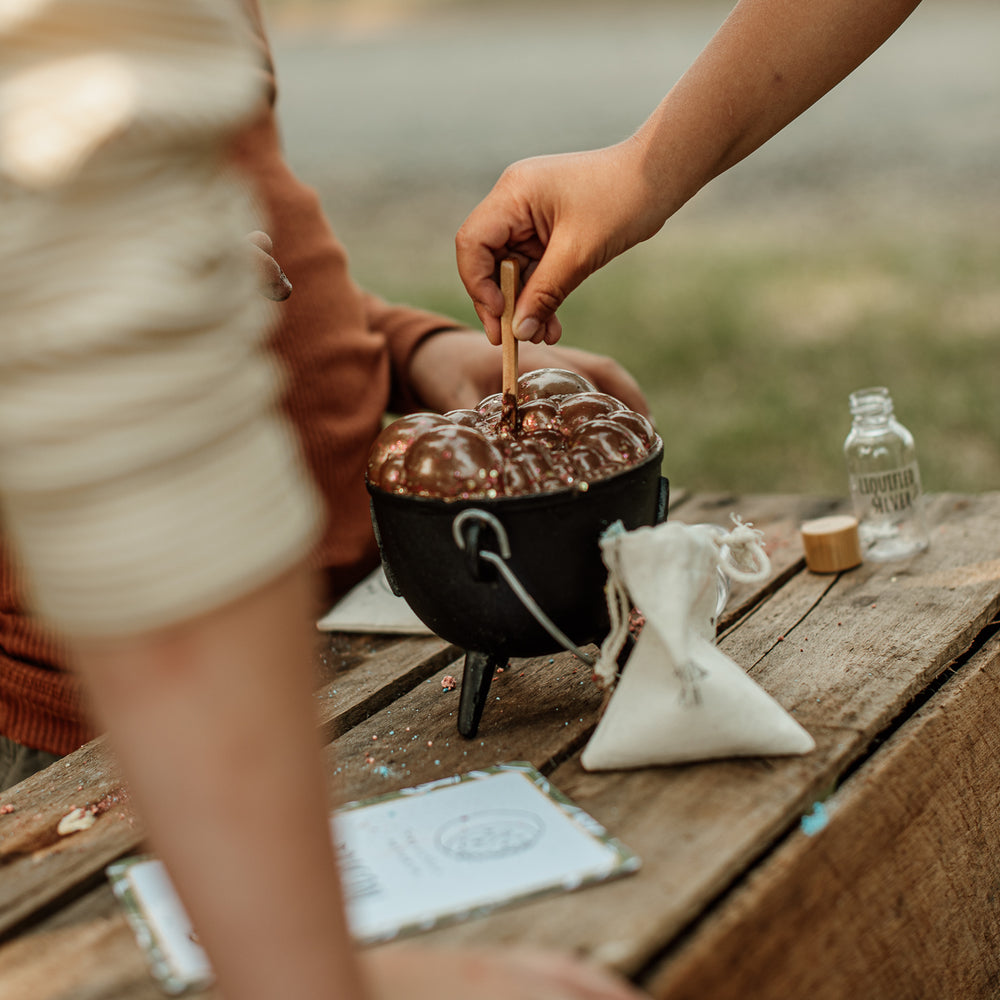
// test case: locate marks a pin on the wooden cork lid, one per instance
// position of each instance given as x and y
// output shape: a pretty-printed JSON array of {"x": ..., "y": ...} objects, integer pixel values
[{"x": 831, "y": 543}]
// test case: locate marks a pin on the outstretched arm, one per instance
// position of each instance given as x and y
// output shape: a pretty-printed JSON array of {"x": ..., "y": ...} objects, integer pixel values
[
  {"x": 214, "y": 724},
  {"x": 566, "y": 216}
]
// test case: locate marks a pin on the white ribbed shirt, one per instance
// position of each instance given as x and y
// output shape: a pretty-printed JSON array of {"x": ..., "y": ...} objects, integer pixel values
[{"x": 146, "y": 474}]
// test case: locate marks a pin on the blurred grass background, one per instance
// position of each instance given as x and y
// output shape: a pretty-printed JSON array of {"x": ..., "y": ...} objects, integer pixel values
[
  {"x": 747, "y": 344},
  {"x": 755, "y": 312}
]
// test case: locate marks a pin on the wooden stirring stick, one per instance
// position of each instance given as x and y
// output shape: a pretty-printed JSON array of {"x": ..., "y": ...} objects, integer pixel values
[{"x": 509, "y": 277}]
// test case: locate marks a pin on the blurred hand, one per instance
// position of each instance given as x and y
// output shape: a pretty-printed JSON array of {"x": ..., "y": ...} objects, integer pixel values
[
  {"x": 514, "y": 974},
  {"x": 457, "y": 368},
  {"x": 272, "y": 281},
  {"x": 562, "y": 217}
]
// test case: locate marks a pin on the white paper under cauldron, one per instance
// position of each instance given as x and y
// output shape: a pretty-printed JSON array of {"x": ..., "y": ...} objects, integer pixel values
[{"x": 680, "y": 698}]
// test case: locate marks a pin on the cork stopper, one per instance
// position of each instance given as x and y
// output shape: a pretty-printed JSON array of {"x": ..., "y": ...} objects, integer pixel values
[{"x": 831, "y": 543}]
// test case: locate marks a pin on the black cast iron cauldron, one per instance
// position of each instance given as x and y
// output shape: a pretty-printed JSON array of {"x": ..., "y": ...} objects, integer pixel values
[{"x": 460, "y": 564}]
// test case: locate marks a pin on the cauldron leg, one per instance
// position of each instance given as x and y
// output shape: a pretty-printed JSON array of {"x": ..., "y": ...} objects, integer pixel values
[{"x": 476, "y": 680}]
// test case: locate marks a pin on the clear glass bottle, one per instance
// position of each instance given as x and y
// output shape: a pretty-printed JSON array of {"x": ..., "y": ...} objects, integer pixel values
[{"x": 885, "y": 480}]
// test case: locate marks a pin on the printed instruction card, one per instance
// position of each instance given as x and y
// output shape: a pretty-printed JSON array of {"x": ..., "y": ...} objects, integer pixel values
[
  {"x": 371, "y": 606},
  {"x": 411, "y": 861}
]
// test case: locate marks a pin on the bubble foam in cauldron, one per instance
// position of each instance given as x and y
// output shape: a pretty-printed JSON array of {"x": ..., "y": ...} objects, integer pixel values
[{"x": 570, "y": 436}]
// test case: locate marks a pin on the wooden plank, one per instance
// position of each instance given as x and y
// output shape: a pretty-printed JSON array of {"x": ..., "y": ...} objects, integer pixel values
[
  {"x": 697, "y": 834},
  {"x": 84, "y": 951},
  {"x": 38, "y": 866},
  {"x": 882, "y": 633},
  {"x": 697, "y": 827},
  {"x": 540, "y": 709},
  {"x": 366, "y": 674},
  {"x": 779, "y": 517},
  {"x": 657, "y": 803},
  {"x": 896, "y": 896},
  {"x": 97, "y": 960},
  {"x": 780, "y": 513},
  {"x": 519, "y": 727},
  {"x": 555, "y": 689}
]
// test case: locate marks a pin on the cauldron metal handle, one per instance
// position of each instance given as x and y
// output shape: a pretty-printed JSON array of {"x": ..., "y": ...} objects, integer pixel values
[{"x": 477, "y": 516}]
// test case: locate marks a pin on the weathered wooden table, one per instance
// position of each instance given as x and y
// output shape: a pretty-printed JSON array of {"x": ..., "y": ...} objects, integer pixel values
[{"x": 895, "y": 670}]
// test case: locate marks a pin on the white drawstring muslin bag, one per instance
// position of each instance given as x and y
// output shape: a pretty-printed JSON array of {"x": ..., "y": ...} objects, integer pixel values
[{"x": 680, "y": 698}]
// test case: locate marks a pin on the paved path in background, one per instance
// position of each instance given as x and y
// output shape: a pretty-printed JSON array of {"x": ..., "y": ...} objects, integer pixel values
[{"x": 447, "y": 100}]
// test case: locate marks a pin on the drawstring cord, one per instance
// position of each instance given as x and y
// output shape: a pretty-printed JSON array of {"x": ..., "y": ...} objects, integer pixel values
[
  {"x": 739, "y": 555},
  {"x": 741, "y": 552}
]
